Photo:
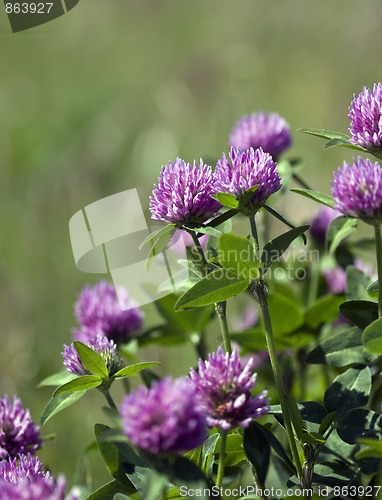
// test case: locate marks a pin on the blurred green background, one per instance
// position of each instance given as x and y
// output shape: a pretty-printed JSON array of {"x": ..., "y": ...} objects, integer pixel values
[{"x": 96, "y": 101}]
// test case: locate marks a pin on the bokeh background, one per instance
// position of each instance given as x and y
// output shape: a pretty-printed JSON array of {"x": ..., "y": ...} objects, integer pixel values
[{"x": 96, "y": 101}]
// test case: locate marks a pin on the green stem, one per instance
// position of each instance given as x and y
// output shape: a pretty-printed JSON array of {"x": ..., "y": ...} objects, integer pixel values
[
  {"x": 254, "y": 233},
  {"x": 300, "y": 181},
  {"x": 199, "y": 249},
  {"x": 378, "y": 245},
  {"x": 314, "y": 281},
  {"x": 223, "y": 444},
  {"x": 221, "y": 308},
  {"x": 199, "y": 342},
  {"x": 109, "y": 399},
  {"x": 278, "y": 379}
]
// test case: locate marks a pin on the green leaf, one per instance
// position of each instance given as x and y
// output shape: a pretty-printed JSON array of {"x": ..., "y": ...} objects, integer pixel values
[
  {"x": 372, "y": 337},
  {"x": 220, "y": 219},
  {"x": 339, "y": 229},
  {"x": 93, "y": 361},
  {"x": 210, "y": 231},
  {"x": 285, "y": 313},
  {"x": 227, "y": 200},
  {"x": 323, "y": 310},
  {"x": 154, "y": 486},
  {"x": 117, "y": 456},
  {"x": 349, "y": 390},
  {"x": 314, "y": 438},
  {"x": 200, "y": 229},
  {"x": 344, "y": 143},
  {"x": 130, "y": 371},
  {"x": 247, "y": 196},
  {"x": 109, "y": 491},
  {"x": 374, "y": 448},
  {"x": 282, "y": 219},
  {"x": 343, "y": 349},
  {"x": 359, "y": 423},
  {"x": 327, "y": 422},
  {"x": 324, "y": 199},
  {"x": 357, "y": 283},
  {"x": 324, "y": 134},
  {"x": 274, "y": 249},
  {"x": 156, "y": 235},
  {"x": 333, "y": 474},
  {"x": 278, "y": 448},
  {"x": 311, "y": 411},
  {"x": 235, "y": 454},
  {"x": 160, "y": 244},
  {"x": 258, "y": 450},
  {"x": 373, "y": 289},
  {"x": 57, "y": 379},
  {"x": 182, "y": 321},
  {"x": 360, "y": 312},
  {"x": 218, "y": 286},
  {"x": 79, "y": 384},
  {"x": 208, "y": 454},
  {"x": 237, "y": 255},
  {"x": 296, "y": 417},
  {"x": 59, "y": 403},
  {"x": 181, "y": 471}
]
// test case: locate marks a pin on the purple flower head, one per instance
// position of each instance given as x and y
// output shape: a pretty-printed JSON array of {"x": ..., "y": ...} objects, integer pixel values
[
  {"x": 357, "y": 190},
  {"x": 246, "y": 169},
  {"x": 183, "y": 193},
  {"x": 100, "y": 311},
  {"x": 26, "y": 480},
  {"x": 18, "y": 433},
  {"x": 320, "y": 223},
  {"x": 262, "y": 130},
  {"x": 164, "y": 418},
  {"x": 365, "y": 113},
  {"x": 335, "y": 277},
  {"x": 101, "y": 345},
  {"x": 223, "y": 389}
]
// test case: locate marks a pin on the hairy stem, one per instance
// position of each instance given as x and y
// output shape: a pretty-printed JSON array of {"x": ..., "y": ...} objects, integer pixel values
[
  {"x": 378, "y": 245},
  {"x": 223, "y": 444},
  {"x": 221, "y": 308},
  {"x": 109, "y": 399},
  {"x": 199, "y": 249},
  {"x": 254, "y": 234},
  {"x": 259, "y": 292},
  {"x": 278, "y": 378}
]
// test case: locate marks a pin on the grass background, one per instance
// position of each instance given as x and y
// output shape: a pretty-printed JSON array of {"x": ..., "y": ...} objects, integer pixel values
[{"x": 96, "y": 101}]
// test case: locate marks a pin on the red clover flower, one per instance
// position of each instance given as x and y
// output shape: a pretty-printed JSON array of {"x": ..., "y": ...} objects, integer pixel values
[
  {"x": 18, "y": 433},
  {"x": 244, "y": 170},
  {"x": 99, "y": 312},
  {"x": 365, "y": 113},
  {"x": 223, "y": 389},
  {"x": 164, "y": 418},
  {"x": 25, "y": 480},
  {"x": 101, "y": 345},
  {"x": 183, "y": 192},
  {"x": 357, "y": 190},
  {"x": 261, "y": 130}
]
